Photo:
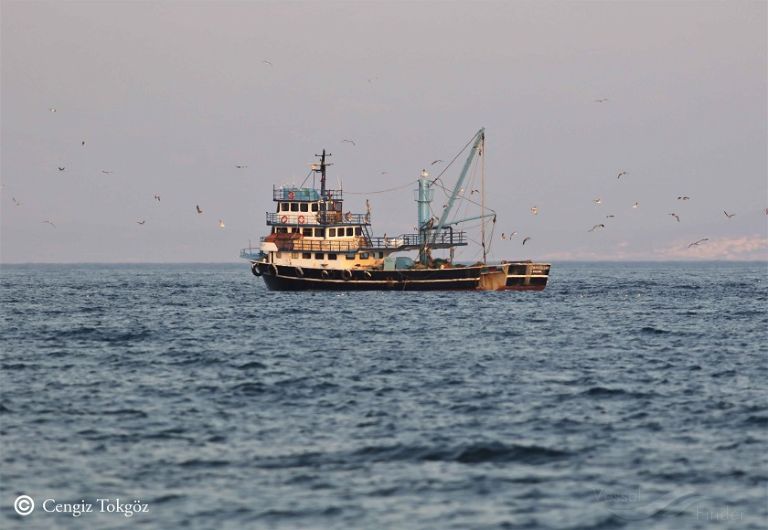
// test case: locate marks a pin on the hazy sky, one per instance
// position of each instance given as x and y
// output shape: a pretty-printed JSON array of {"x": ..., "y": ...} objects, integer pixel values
[{"x": 170, "y": 96}]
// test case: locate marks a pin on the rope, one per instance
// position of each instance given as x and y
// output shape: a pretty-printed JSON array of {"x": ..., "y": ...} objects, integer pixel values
[{"x": 381, "y": 191}]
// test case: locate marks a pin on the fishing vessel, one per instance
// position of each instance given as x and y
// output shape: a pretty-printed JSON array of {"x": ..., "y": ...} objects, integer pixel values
[{"x": 314, "y": 243}]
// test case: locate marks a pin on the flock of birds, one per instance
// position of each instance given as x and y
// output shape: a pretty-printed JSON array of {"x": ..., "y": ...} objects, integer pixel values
[
  {"x": 598, "y": 201},
  {"x": 504, "y": 236},
  {"x": 155, "y": 196}
]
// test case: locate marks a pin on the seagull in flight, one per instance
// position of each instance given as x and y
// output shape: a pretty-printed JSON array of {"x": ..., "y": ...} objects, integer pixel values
[
  {"x": 141, "y": 222},
  {"x": 241, "y": 166},
  {"x": 621, "y": 173},
  {"x": 636, "y": 205},
  {"x": 17, "y": 203},
  {"x": 683, "y": 198},
  {"x": 156, "y": 197},
  {"x": 598, "y": 200},
  {"x": 535, "y": 210},
  {"x": 48, "y": 221},
  {"x": 435, "y": 162},
  {"x": 221, "y": 223},
  {"x": 675, "y": 216},
  {"x": 349, "y": 142},
  {"x": 197, "y": 207},
  {"x": 267, "y": 62},
  {"x": 601, "y": 100},
  {"x": 601, "y": 225},
  {"x": 107, "y": 172},
  {"x": 82, "y": 143},
  {"x": 610, "y": 216},
  {"x": 526, "y": 240},
  {"x": 697, "y": 243},
  {"x": 728, "y": 215},
  {"x": 52, "y": 109},
  {"x": 472, "y": 192},
  {"x": 61, "y": 168}
]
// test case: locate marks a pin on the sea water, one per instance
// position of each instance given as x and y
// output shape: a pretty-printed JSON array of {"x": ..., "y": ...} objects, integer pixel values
[{"x": 627, "y": 395}]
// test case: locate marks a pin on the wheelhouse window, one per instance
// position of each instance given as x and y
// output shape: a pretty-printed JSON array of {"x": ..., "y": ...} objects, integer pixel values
[
  {"x": 306, "y": 255},
  {"x": 307, "y": 231},
  {"x": 294, "y": 255},
  {"x": 284, "y": 207},
  {"x": 350, "y": 256},
  {"x": 314, "y": 206},
  {"x": 364, "y": 255},
  {"x": 331, "y": 256},
  {"x": 358, "y": 231},
  {"x": 304, "y": 207},
  {"x": 294, "y": 207},
  {"x": 319, "y": 232},
  {"x": 331, "y": 232},
  {"x": 350, "y": 231},
  {"x": 282, "y": 230},
  {"x": 318, "y": 255},
  {"x": 381, "y": 254}
]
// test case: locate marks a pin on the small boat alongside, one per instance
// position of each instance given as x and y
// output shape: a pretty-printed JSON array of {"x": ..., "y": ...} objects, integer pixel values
[{"x": 314, "y": 244}]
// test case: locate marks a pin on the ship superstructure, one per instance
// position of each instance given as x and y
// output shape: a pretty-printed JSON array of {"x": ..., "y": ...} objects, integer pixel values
[{"x": 316, "y": 243}]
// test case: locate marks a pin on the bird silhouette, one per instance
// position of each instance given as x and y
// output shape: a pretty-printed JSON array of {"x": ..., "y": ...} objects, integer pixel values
[
  {"x": 17, "y": 203},
  {"x": 241, "y": 166},
  {"x": 697, "y": 243},
  {"x": 82, "y": 143},
  {"x": 267, "y": 62},
  {"x": 601, "y": 100},
  {"x": 601, "y": 225},
  {"x": 141, "y": 222},
  {"x": 728, "y": 215},
  {"x": 48, "y": 221},
  {"x": 610, "y": 216},
  {"x": 107, "y": 172},
  {"x": 598, "y": 200},
  {"x": 435, "y": 162},
  {"x": 156, "y": 197},
  {"x": 675, "y": 216},
  {"x": 684, "y": 198},
  {"x": 221, "y": 223},
  {"x": 61, "y": 168},
  {"x": 622, "y": 173},
  {"x": 349, "y": 142},
  {"x": 197, "y": 207},
  {"x": 52, "y": 109},
  {"x": 535, "y": 210},
  {"x": 526, "y": 240},
  {"x": 636, "y": 205}
]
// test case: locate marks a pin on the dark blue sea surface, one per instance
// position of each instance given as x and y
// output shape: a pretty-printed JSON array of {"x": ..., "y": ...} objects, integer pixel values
[{"x": 623, "y": 396}]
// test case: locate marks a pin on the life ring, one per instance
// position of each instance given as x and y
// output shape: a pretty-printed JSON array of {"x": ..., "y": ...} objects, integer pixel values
[
  {"x": 255, "y": 269},
  {"x": 302, "y": 220},
  {"x": 273, "y": 268},
  {"x": 284, "y": 219},
  {"x": 291, "y": 195},
  {"x": 324, "y": 274},
  {"x": 346, "y": 275},
  {"x": 299, "y": 272}
]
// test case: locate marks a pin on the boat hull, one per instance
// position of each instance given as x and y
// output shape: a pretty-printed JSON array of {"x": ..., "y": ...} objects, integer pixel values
[{"x": 522, "y": 276}]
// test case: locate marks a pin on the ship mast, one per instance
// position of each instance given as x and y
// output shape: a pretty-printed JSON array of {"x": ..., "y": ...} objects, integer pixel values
[{"x": 321, "y": 170}]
